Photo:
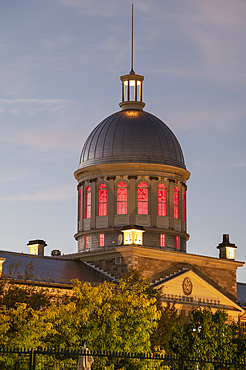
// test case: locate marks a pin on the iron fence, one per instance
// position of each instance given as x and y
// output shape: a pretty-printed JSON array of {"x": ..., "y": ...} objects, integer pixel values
[{"x": 67, "y": 359}]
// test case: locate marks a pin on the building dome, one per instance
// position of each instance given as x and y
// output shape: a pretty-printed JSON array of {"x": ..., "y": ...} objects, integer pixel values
[{"x": 132, "y": 136}]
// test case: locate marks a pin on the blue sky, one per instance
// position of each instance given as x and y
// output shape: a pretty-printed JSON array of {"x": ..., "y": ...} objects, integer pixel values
[{"x": 59, "y": 77}]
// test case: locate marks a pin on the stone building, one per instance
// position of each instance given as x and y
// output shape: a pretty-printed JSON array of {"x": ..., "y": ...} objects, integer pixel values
[{"x": 132, "y": 183}]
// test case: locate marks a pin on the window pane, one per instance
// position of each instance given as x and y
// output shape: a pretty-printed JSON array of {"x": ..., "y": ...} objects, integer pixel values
[
  {"x": 162, "y": 240},
  {"x": 86, "y": 242},
  {"x": 177, "y": 242},
  {"x": 121, "y": 208},
  {"x": 101, "y": 240}
]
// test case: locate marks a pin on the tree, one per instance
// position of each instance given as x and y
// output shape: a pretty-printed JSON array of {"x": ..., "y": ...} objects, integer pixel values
[
  {"x": 206, "y": 335},
  {"x": 162, "y": 336}
]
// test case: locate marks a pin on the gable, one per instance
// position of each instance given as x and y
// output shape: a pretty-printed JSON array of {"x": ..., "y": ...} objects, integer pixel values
[{"x": 189, "y": 289}]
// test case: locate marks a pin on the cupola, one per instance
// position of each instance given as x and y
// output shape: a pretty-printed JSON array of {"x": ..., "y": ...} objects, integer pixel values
[{"x": 132, "y": 91}]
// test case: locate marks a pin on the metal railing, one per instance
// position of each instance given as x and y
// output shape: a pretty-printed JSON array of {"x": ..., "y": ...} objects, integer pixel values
[{"x": 55, "y": 358}]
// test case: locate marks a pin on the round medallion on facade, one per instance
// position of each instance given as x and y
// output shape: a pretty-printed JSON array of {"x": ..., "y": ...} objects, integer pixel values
[{"x": 187, "y": 286}]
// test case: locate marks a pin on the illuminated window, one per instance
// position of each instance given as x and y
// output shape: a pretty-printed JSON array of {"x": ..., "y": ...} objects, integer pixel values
[
  {"x": 162, "y": 240},
  {"x": 102, "y": 200},
  {"x": 86, "y": 242},
  {"x": 143, "y": 198},
  {"x": 162, "y": 200},
  {"x": 101, "y": 240},
  {"x": 121, "y": 198},
  {"x": 184, "y": 195},
  {"x": 177, "y": 242},
  {"x": 176, "y": 203},
  {"x": 88, "y": 202},
  {"x": 79, "y": 205}
]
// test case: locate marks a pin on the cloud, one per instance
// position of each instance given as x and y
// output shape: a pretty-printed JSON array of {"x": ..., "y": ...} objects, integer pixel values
[
  {"x": 31, "y": 106},
  {"x": 220, "y": 117},
  {"x": 105, "y": 8},
  {"x": 58, "y": 194}
]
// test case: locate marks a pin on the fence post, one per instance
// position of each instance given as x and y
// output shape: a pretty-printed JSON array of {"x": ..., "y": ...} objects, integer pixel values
[
  {"x": 30, "y": 360},
  {"x": 34, "y": 359},
  {"x": 181, "y": 364}
]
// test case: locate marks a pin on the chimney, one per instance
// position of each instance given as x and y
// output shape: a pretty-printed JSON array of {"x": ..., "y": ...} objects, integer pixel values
[
  {"x": 55, "y": 253},
  {"x": 37, "y": 247},
  {"x": 227, "y": 249}
]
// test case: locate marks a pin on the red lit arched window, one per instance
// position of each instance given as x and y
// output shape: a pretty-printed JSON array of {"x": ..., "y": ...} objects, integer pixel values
[
  {"x": 88, "y": 202},
  {"x": 162, "y": 200},
  {"x": 143, "y": 198},
  {"x": 121, "y": 198},
  {"x": 184, "y": 205},
  {"x": 102, "y": 200},
  {"x": 176, "y": 203}
]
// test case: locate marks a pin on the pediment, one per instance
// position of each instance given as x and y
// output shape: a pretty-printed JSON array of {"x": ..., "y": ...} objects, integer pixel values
[{"x": 187, "y": 288}]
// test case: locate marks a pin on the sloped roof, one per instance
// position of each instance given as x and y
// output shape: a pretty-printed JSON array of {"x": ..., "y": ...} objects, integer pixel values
[
  {"x": 52, "y": 270},
  {"x": 241, "y": 293}
]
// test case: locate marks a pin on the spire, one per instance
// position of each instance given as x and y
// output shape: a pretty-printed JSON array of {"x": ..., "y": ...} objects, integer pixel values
[
  {"x": 132, "y": 86},
  {"x": 132, "y": 71}
]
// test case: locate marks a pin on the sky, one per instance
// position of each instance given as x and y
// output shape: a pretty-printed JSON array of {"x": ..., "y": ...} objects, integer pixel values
[{"x": 59, "y": 77}]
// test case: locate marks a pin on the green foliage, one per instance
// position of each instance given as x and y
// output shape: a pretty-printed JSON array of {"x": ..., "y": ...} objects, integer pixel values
[
  {"x": 115, "y": 317},
  {"x": 162, "y": 336},
  {"x": 206, "y": 335}
]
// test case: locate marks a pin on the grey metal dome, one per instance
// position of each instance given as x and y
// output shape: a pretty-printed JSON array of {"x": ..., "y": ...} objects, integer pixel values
[{"x": 132, "y": 136}]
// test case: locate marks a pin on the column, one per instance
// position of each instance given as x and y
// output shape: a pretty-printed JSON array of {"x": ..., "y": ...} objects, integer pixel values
[
  {"x": 171, "y": 203},
  {"x": 93, "y": 203},
  {"x": 153, "y": 201},
  {"x": 132, "y": 199},
  {"x": 111, "y": 200},
  {"x": 80, "y": 188}
]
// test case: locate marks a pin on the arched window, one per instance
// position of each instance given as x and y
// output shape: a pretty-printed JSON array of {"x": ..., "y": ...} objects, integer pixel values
[
  {"x": 176, "y": 202},
  {"x": 88, "y": 202},
  {"x": 162, "y": 200},
  {"x": 184, "y": 195},
  {"x": 102, "y": 200},
  {"x": 121, "y": 198},
  {"x": 143, "y": 198}
]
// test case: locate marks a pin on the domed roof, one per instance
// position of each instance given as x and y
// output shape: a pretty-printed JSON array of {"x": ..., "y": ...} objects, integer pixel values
[{"x": 132, "y": 136}]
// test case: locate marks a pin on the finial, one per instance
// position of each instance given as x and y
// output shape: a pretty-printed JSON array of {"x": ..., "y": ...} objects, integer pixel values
[{"x": 132, "y": 71}]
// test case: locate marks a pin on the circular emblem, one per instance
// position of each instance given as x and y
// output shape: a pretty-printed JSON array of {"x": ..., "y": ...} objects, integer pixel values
[
  {"x": 187, "y": 286},
  {"x": 120, "y": 239}
]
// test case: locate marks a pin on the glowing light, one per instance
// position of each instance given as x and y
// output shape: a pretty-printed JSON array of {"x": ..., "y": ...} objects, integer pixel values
[
  {"x": 133, "y": 236},
  {"x": 132, "y": 83},
  {"x": 230, "y": 253},
  {"x": 34, "y": 249}
]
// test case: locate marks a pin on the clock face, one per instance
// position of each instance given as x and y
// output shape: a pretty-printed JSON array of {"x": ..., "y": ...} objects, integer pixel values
[{"x": 187, "y": 286}]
